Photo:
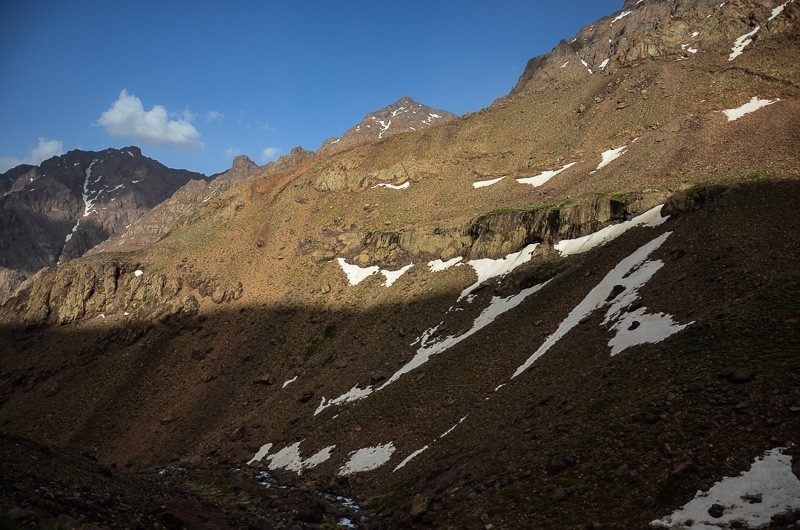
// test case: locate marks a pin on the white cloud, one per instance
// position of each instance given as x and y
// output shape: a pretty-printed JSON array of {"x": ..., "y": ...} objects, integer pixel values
[
  {"x": 126, "y": 118},
  {"x": 232, "y": 152},
  {"x": 214, "y": 115},
  {"x": 271, "y": 153},
  {"x": 44, "y": 149}
]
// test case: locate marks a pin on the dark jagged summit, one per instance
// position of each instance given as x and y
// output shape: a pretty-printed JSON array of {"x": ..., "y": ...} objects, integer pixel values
[{"x": 58, "y": 210}]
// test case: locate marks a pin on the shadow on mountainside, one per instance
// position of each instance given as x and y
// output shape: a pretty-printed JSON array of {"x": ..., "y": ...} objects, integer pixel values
[{"x": 622, "y": 440}]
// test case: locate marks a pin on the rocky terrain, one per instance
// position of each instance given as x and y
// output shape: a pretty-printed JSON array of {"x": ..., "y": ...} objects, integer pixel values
[
  {"x": 57, "y": 211},
  {"x": 574, "y": 309},
  {"x": 404, "y": 115}
]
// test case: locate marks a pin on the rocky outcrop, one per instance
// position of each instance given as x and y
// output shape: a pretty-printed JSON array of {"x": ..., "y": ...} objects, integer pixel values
[
  {"x": 57, "y": 211},
  {"x": 493, "y": 235},
  {"x": 100, "y": 288},
  {"x": 404, "y": 115},
  {"x": 346, "y": 174}
]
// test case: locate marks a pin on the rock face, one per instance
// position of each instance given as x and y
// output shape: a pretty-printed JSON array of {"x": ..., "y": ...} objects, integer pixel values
[
  {"x": 401, "y": 116},
  {"x": 493, "y": 235},
  {"x": 57, "y": 211},
  {"x": 100, "y": 288}
]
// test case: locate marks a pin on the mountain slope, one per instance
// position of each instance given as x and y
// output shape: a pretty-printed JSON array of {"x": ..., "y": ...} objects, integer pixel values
[
  {"x": 595, "y": 357},
  {"x": 57, "y": 211},
  {"x": 191, "y": 197}
]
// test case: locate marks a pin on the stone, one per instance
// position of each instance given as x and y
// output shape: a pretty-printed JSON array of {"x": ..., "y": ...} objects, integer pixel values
[
  {"x": 238, "y": 434},
  {"x": 615, "y": 291},
  {"x": 784, "y": 518},
  {"x": 66, "y": 521},
  {"x": 716, "y": 511},
  {"x": 742, "y": 376},
  {"x": 560, "y": 495},
  {"x": 419, "y": 506},
  {"x": 558, "y": 463},
  {"x": 264, "y": 379}
]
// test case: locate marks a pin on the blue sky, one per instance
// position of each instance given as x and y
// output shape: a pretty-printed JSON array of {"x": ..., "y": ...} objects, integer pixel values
[{"x": 195, "y": 82}]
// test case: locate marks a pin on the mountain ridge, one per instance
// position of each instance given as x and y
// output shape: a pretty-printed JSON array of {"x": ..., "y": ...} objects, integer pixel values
[{"x": 516, "y": 319}]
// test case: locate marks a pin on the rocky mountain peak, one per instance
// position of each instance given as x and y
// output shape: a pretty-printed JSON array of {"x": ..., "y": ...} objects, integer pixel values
[
  {"x": 296, "y": 156},
  {"x": 243, "y": 163},
  {"x": 647, "y": 29},
  {"x": 404, "y": 115}
]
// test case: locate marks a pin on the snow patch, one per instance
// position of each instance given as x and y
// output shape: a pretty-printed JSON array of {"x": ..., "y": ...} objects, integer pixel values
[
  {"x": 640, "y": 327},
  {"x": 438, "y": 265},
  {"x": 356, "y": 274},
  {"x": 487, "y": 183},
  {"x": 567, "y": 247},
  {"x": 261, "y": 453},
  {"x": 584, "y": 63},
  {"x": 564, "y": 65},
  {"x": 751, "y": 106},
  {"x": 751, "y": 499},
  {"x": 630, "y": 273},
  {"x": 289, "y": 458},
  {"x": 289, "y": 382},
  {"x": 409, "y": 458},
  {"x": 778, "y": 10},
  {"x": 544, "y": 176},
  {"x": 88, "y": 202},
  {"x": 402, "y": 186},
  {"x": 384, "y": 127},
  {"x": 604, "y": 64},
  {"x": 611, "y": 155},
  {"x": 451, "y": 429},
  {"x": 393, "y": 276},
  {"x": 69, "y": 236},
  {"x": 741, "y": 43},
  {"x": 354, "y": 394},
  {"x": 487, "y": 268},
  {"x": 620, "y": 17},
  {"x": 367, "y": 459},
  {"x": 137, "y": 272}
]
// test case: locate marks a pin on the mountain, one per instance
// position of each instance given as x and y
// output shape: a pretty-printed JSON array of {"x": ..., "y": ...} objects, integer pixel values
[
  {"x": 57, "y": 211},
  {"x": 404, "y": 115},
  {"x": 191, "y": 197},
  {"x": 573, "y": 309}
]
